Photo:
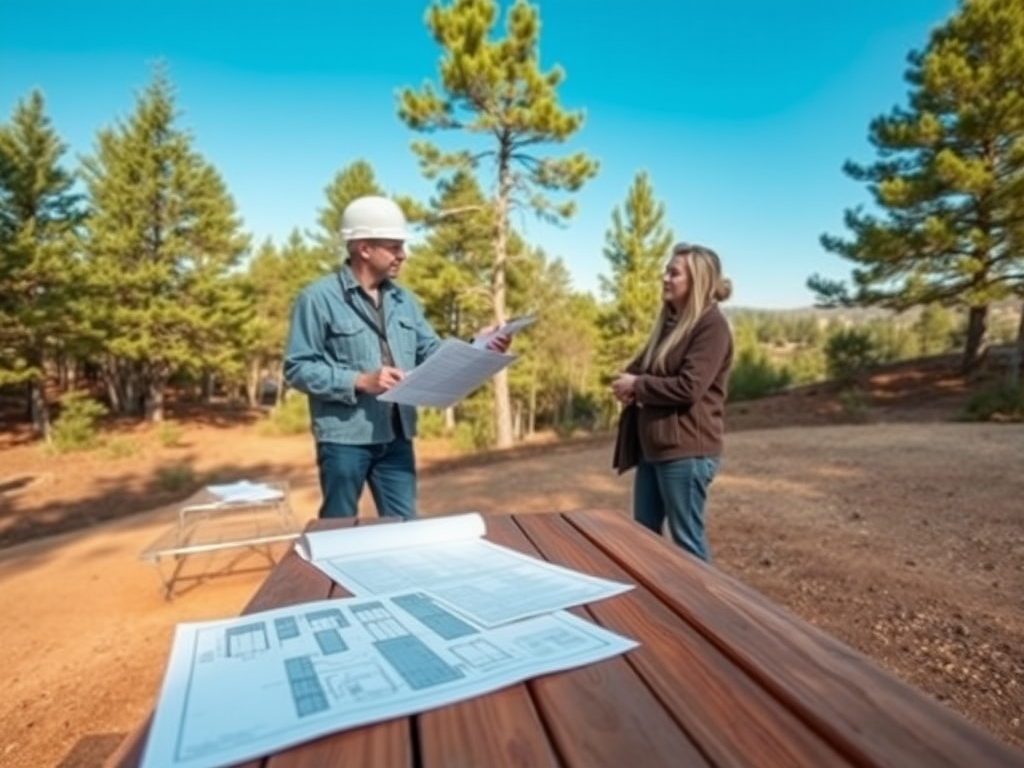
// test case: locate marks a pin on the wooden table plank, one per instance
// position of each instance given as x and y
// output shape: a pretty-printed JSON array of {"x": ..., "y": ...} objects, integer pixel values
[
  {"x": 601, "y": 714},
  {"x": 733, "y": 720},
  {"x": 866, "y": 713},
  {"x": 379, "y": 745}
]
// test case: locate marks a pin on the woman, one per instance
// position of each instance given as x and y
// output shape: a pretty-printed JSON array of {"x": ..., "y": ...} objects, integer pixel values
[{"x": 672, "y": 427}]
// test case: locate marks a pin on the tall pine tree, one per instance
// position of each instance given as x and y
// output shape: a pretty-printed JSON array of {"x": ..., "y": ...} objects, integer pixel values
[
  {"x": 162, "y": 241},
  {"x": 636, "y": 246},
  {"x": 496, "y": 90},
  {"x": 948, "y": 179},
  {"x": 39, "y": 217}
]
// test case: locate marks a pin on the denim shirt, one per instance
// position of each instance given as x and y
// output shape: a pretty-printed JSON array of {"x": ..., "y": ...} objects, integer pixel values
[{"x": 329, "y": 343}]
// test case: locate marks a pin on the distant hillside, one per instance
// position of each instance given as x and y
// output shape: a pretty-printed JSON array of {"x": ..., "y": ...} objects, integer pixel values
[{"x": 1001, "y": 314}]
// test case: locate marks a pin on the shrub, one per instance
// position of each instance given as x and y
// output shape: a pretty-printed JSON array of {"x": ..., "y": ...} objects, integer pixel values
[
  {"x": 175, "y": 477},
  {"x": 430, "y": 423},
  {"x": 1001, "y": 403},
  {"x": 75, "y": 428},
  {"x": 849, "y": 354},
  {"x": 120, "y": 448},
  {"x": 289, "y": 417},
  {"x": 854, "y": 402},
  {"x": 169, "y": 434},
  {"x": 753, "y": 376}
]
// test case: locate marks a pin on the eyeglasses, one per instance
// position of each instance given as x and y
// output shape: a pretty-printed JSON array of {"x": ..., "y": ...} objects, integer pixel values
[{"x": 394, "y": 247}]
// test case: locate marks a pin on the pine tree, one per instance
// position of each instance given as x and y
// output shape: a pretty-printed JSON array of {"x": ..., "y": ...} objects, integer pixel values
[
  {"x": 948, "y": 180},
  {"x": 276, "y": 275},
  {"x": 355, "y": 180},
  {"x": 451, "y": 270},
  {"x": 636, "y": 246},
  {"x": 39, "y": 217},
  {"x": 497, "y": 91},
  {"x": 162, "y": 241}
]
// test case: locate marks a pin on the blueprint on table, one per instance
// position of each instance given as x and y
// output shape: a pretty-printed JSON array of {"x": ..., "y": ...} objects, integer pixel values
[
  {"x": 237, "y": 689},
  {"x": 483, "y": 581}
]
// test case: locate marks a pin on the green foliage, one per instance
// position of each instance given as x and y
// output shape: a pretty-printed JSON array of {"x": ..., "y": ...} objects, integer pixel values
[
  {"x": 39, "y": 218},
  {"x": 121, "y": 448},
  {"x": 430, "y": 423},
  {"x": 75, "y": 428},
  {"x": 452, "y": 271},
  {"x": 475, "y": 428},
  {"x": 160, "y": 292},
  {"x": 849, "y": 354},
  {"x": 175, "y": 477},
  {"x": 169, "y": 434},
  {"x": 355, "y": 180},
  {"x": 495, "y": 91},
  {"x": 934, "y": 330},
  {"x": 289, "y": 417},
  {"x": 754, "y": 376},
  {"x": 806, "y": 365},
  {"x": 854, "y": 402},
  {"x": 1002, "y": 403},
  {"x": 948, "y": 177},
  {"x": 636, "y": 247}
]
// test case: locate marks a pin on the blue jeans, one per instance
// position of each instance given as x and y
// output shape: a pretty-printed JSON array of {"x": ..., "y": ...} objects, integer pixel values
[
  {"x": 389, "y": 468},
  {"x": 676, "y": 490}
]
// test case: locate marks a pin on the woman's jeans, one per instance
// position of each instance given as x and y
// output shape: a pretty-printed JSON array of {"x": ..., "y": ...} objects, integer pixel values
[
  {"x": 388, "y": 468},
  {"x": 676, "y": 490}
]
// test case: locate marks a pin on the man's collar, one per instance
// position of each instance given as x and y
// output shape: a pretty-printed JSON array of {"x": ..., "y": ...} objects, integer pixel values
[{"x": 349, "y": 282}]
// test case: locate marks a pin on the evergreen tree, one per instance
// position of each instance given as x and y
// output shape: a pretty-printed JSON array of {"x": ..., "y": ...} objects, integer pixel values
[
  {"x": 39, "y": 216},
  {"x": 355, "y": 180},
  {"x": 162, "y": 242},
  {"x": 948, "y": 179},
  {"x": 561, "y": 352},
  {"x": 276, "y": 275},
  {"x": 636, "y": 246},
  {"x": 496, "y": 90},
  {"x": 451, "y": 270}
]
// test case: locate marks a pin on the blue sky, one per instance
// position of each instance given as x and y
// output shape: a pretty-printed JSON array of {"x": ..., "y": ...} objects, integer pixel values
[{"x": 742, "y": 112}]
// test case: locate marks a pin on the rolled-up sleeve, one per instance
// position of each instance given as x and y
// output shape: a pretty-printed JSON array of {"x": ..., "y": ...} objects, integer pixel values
[{"x": 307, "y": 365}]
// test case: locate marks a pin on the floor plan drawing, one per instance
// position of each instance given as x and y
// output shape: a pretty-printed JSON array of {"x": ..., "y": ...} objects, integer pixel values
[
  {"x": 478, "y": 580},
  {"x": 236, "y": 689}
]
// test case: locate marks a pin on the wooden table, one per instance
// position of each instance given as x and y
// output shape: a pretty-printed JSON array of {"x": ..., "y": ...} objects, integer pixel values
[{"x": 723, "y": 677}]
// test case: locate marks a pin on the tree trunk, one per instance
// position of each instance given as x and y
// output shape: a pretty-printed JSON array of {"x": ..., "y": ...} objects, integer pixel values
[
  {"x": 254, "y": 384},
  {"x": 38, "y": 409},
  {"x": 1016, "y": 355},
  {"x": 502, "y": 402},
  {"x": 973, "y": 347},
  {"x": 154, "y": 400}
]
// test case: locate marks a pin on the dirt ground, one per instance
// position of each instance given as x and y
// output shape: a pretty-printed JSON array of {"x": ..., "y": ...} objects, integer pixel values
[{"x": 902, "y": 535}]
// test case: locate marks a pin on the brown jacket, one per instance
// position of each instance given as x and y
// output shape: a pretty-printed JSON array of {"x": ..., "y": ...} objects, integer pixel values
[{"x": 680, "y": 414}]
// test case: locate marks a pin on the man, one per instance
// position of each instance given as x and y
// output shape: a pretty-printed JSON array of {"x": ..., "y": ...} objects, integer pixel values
[{"x": 352, "y": 335}]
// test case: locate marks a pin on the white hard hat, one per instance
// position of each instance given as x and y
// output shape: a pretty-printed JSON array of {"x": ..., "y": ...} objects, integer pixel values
[{"x": 373, "y": 217}]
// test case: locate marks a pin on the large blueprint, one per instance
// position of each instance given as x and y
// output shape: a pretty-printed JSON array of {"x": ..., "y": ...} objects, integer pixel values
[{"x": 236, "y": 689}]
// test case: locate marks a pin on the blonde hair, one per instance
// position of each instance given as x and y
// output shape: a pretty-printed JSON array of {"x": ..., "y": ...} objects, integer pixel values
[{"x": 707, "y": 287}]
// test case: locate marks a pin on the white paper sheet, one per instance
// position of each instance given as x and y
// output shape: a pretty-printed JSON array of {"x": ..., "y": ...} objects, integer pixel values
[
  {"x": 240, "y": 688},
  {"x": 478, "y": 579},
  {"x": 241, "y": 492},
  {"x": 452, "y": 372},
  {"x": 507, "y": 329}
]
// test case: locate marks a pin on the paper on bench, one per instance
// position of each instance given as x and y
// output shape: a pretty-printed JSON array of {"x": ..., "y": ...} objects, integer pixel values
[
  {"x": 244, "y": 491},
  {"x": 321, "y": 545},
  {"x": 238, "y": 689},
  {"x": 450, "y": 559}
]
